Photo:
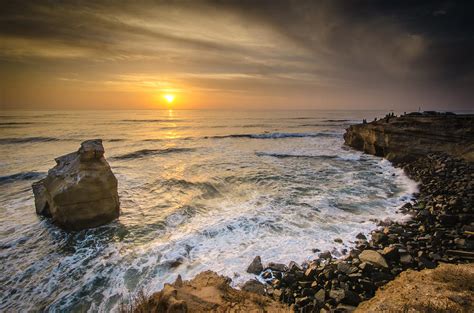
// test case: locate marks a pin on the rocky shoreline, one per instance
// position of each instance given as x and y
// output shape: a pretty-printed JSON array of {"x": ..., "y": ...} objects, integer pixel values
[{"x": 441, "y": 228}]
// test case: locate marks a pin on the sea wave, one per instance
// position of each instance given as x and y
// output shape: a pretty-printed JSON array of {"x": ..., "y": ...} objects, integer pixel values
[
  {"x": 274, "y": 135},
  {"x": 305, "y": 156},
  {"x": 20, "y": 140},
  {"x": 8, "y": 124},
  {"x": 334, "y": 121},
  {"x": 149, "y": 152},
  {"x": 20, "y": 176},
  {"x": 153, "y": 121}
]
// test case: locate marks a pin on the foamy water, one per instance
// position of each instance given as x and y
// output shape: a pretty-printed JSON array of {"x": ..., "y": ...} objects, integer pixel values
[{"x": 199, "y": 190}]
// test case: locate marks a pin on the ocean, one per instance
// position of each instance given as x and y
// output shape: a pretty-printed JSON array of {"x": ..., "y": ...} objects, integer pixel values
[{"x": 199, "y": 190}]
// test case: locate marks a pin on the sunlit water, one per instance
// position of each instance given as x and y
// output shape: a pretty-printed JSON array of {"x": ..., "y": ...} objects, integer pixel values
[{"x": 198, "y": 190}]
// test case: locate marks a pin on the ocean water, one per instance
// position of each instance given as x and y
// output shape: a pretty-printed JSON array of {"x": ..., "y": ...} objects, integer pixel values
[{"x": 199, "y": 190}]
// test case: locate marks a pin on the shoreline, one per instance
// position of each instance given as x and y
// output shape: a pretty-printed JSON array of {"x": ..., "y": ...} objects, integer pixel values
[
  {"x": 439, "y": 231},
  {"x": 421, "y": 242}
]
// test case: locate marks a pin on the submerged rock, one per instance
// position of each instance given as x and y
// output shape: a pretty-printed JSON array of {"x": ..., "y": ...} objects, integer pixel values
[{"x": 80, "y": 191}]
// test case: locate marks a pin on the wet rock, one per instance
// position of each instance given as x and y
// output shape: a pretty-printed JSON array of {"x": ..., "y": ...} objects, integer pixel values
[
  {"x": 254, "y": 286},
  {"x": 406, "y": 259},
  {"x": 379, "y": 238},
  {"x": 277, "y": 267},
  {"x": 361, "y": 236},
  {"x": 325, "y": 255},
  {"x": 344, "y": 267},
  {"x": 256, "y": 266},
  {"x": 344, "y": 308},
  {"x": 391, "y": 254},
  {"x": 320, "y": 296},
  {"x": 344, "y": 296},
  {"x": 80, "y": 191},
  {"x": 374, "y": 258}
]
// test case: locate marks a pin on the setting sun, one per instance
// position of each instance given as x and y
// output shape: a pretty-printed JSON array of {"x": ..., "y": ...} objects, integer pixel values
[{"x": 169, "y": 98}]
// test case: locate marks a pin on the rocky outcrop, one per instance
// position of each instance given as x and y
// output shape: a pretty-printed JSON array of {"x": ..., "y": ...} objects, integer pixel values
[
  {"x": 80, "y": 191},
  {"x": 207, "y": 292},
  {"x": 405, "y": 138},
  {"x": 447, "y": 288}
]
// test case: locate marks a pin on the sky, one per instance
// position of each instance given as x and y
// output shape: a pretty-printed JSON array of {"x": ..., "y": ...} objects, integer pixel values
[{"x": 336, "y": 55}]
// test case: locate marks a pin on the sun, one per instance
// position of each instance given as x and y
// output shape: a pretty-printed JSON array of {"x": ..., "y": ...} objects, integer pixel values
[{"x": 169, "y": 98}]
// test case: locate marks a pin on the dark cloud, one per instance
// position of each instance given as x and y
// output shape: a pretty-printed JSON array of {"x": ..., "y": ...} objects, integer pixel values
[{"x": 313, "y": 48}]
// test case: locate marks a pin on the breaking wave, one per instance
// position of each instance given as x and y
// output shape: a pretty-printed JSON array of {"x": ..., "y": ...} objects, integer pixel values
[
  {"x": 275, "y": 135},
  {"x": 304, "y": 156},
  {"x": 20, "y": 176},
  {"x": 21, "y": 140}
]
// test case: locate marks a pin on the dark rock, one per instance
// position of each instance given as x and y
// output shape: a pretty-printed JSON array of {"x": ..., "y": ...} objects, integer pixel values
[
  {"x": 361, "y": 236},
  {"x": 344, "y": 308},
  {"x": 293, "y": 266},
  {"x": 344, "y": 267},
  {"x": 325, "y": 255},
  {"x": 379, "y": 238},
  {"x": 308, "y": 292},
  {"x": 302, "y": 301},
  {"x": 426, "y": 263},
  {"x": 254, "y": 286},
  {"x": 277, "y": 267},
  {"x": 391, "y": 254},
  {"x": 320, "y": 296},
  {"x": 344, "y": 296},
  {"x": 256, "y": 266}
]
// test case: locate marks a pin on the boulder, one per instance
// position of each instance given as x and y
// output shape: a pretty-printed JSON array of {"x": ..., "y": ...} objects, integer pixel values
[
  {"x": 373, "y": 257},
  {"x": 80, "y": 191},
  {"x": 254, "y": 286},
  {"x": 256, "y": 266}
]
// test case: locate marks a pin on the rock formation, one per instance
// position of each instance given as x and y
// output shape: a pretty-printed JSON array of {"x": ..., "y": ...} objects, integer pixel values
[
  {"x": 80, "y": 191},
  {"x": 408, "y": 137},
  {"x": 447, "y": 288},
  {"x": 207, "y": 292}
]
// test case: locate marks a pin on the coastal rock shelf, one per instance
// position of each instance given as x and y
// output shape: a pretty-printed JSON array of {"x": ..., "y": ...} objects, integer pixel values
[
  {"x": 80, "y": 191},
  {"x": 410, "y": 136}
]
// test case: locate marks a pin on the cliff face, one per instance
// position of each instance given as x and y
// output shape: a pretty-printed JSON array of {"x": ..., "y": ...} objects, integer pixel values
[{"x": 407, "y": 137}]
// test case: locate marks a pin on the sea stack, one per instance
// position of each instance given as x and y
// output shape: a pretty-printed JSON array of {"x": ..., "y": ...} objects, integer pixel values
[{"x": 80, "y": 191}]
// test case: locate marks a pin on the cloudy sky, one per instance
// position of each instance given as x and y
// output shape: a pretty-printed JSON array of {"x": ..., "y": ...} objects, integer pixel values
[{"x": 237, "y": 54}]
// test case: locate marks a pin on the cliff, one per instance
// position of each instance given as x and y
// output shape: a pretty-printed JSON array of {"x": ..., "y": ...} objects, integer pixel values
[{"x": 405, "y": 138}]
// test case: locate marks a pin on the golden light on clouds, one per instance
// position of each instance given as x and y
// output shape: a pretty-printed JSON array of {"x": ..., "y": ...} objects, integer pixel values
[{"x": 246, "y": 55}]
